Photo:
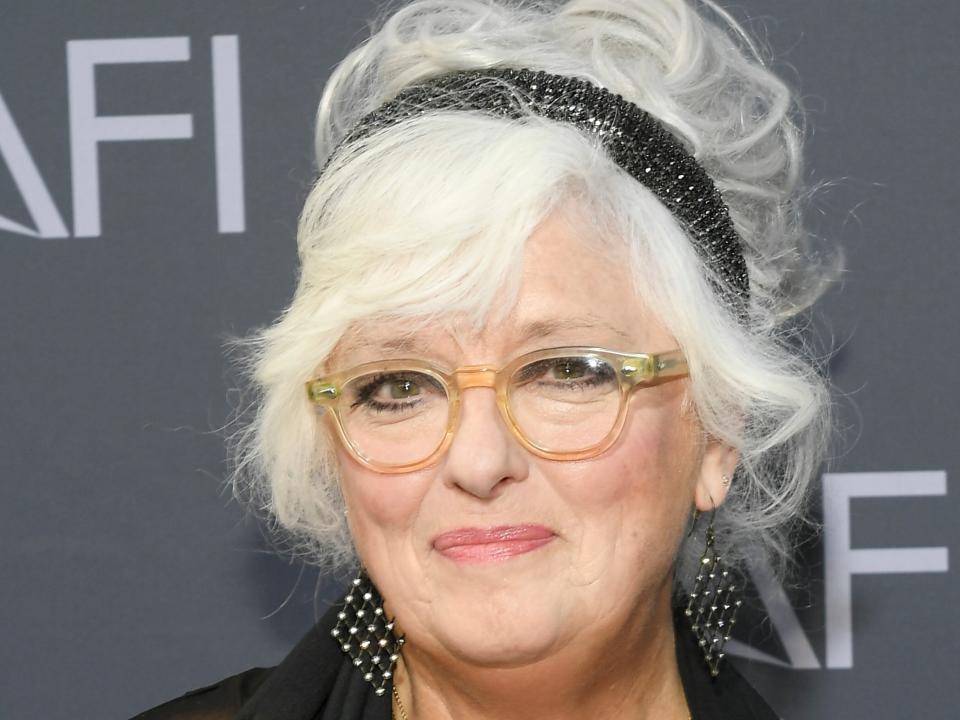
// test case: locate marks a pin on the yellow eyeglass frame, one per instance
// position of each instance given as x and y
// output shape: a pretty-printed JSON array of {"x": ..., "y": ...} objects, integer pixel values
[{"x": 633, "y": 370}]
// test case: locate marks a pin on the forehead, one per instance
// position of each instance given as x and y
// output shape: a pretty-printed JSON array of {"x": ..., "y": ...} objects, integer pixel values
[{"x": 575, "y": 289}]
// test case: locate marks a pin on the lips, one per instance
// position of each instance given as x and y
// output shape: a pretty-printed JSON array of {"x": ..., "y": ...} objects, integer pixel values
[{"x": 472, "y": 545}]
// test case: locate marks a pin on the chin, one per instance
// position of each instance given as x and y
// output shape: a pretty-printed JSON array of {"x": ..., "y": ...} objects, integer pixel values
[
  {"x": 488, "y": 651},
  {"x": 487, "y": 635}
]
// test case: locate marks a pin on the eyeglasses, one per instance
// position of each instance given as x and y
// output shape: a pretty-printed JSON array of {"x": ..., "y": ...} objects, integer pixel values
[{"x": 566, "y": 403}]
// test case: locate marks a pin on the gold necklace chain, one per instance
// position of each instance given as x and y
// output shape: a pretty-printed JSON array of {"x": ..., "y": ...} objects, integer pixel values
[{"x": 403, "y": 712}]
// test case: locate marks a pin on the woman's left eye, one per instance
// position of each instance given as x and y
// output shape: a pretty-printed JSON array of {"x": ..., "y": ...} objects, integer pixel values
[
  {"x": 568, "y": 369},
  {"x": 563, "y": 371}
]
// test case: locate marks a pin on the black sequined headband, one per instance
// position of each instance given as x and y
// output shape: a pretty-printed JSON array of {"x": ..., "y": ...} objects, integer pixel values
[{"x": 635, "y": 140}]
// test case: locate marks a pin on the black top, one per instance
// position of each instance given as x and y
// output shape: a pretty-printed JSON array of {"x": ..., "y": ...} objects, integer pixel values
[{"x": 317, "y": 681}]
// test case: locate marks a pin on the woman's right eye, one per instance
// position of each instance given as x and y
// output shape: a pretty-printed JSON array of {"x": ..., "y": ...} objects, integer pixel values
[
  {"x": 393, "y": 391},
  {"x": 399, "y": 389}
]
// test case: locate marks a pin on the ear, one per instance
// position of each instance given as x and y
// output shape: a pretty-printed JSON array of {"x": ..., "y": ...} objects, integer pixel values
[{"x": 719, "y": 460}]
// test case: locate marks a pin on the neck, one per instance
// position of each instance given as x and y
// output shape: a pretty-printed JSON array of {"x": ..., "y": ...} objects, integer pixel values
[{"x": 628, "y": 674}]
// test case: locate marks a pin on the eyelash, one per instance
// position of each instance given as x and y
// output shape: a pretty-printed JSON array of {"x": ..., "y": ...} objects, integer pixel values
[
  {"x": 579, "y": 384},
  {"x": 367, "y": 390}
]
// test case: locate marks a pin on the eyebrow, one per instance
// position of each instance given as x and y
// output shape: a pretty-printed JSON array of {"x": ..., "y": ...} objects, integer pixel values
[
  {"x": 402, "y": 343},
  {"x": 533, "y": 330},
  {"x": 546, "y": 328}
]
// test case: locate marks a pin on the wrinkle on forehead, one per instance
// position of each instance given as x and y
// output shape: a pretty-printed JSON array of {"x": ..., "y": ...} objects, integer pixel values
[{"x": 430, "y": 342}]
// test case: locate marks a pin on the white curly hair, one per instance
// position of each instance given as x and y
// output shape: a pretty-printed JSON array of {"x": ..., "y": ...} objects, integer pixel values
[{"x": 431, "y": 215}]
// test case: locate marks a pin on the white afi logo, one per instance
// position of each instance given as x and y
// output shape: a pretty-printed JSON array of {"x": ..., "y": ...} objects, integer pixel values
[
  {"x": 841, "y": 563},
  {"x": 88, "y": 130}
]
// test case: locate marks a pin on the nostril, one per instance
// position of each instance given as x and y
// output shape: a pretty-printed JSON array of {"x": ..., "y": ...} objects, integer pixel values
[{"x": 481, "y": 488}]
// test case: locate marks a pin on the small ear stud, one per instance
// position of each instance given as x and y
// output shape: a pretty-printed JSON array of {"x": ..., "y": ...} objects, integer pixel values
[{"x": 725, "y": 479}]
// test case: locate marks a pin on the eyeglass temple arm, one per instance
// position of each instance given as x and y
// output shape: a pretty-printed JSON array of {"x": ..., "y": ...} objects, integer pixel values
[
  {"x": 322, "y": 392},
  {"x": 646, "y": 368},
  {"x": 670, "y": 364}
]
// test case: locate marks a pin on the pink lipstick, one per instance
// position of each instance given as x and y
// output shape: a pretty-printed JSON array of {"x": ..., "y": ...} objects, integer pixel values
[{"x": 476, "y": 545}]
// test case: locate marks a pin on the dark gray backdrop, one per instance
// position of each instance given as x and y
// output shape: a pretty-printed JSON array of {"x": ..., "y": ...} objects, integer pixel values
[{"x": 128, "y": 577}]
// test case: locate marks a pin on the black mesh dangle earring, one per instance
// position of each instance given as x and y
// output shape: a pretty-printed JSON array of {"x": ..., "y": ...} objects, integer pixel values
[
  {"x": 712, "y": 607},
  {"x": 365, "y": 633}
]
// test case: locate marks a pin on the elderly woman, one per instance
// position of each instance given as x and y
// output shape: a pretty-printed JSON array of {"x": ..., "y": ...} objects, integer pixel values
[{"x": 541, "y": 382}]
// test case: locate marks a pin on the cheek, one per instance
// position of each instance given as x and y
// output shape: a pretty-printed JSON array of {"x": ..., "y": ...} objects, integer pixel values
[
  {"x": 648, "y": 463},
  {"x": 631, "y": 501},
  {"x": 380, "y": 506},
  {"x": 660, "y": 446}
]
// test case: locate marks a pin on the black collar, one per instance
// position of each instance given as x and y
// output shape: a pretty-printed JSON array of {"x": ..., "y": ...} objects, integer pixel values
[{"x": 316, "y": 681}]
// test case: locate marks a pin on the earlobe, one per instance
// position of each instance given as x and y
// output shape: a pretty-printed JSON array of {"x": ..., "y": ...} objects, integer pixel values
[{"x": 716, "y": 470}]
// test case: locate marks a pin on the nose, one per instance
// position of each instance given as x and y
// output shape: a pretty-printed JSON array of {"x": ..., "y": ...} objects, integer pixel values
[{"x": 483, "y": 456}]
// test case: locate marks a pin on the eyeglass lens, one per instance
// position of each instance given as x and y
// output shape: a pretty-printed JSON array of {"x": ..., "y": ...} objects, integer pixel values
[{"x": 563, "y": 404}]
